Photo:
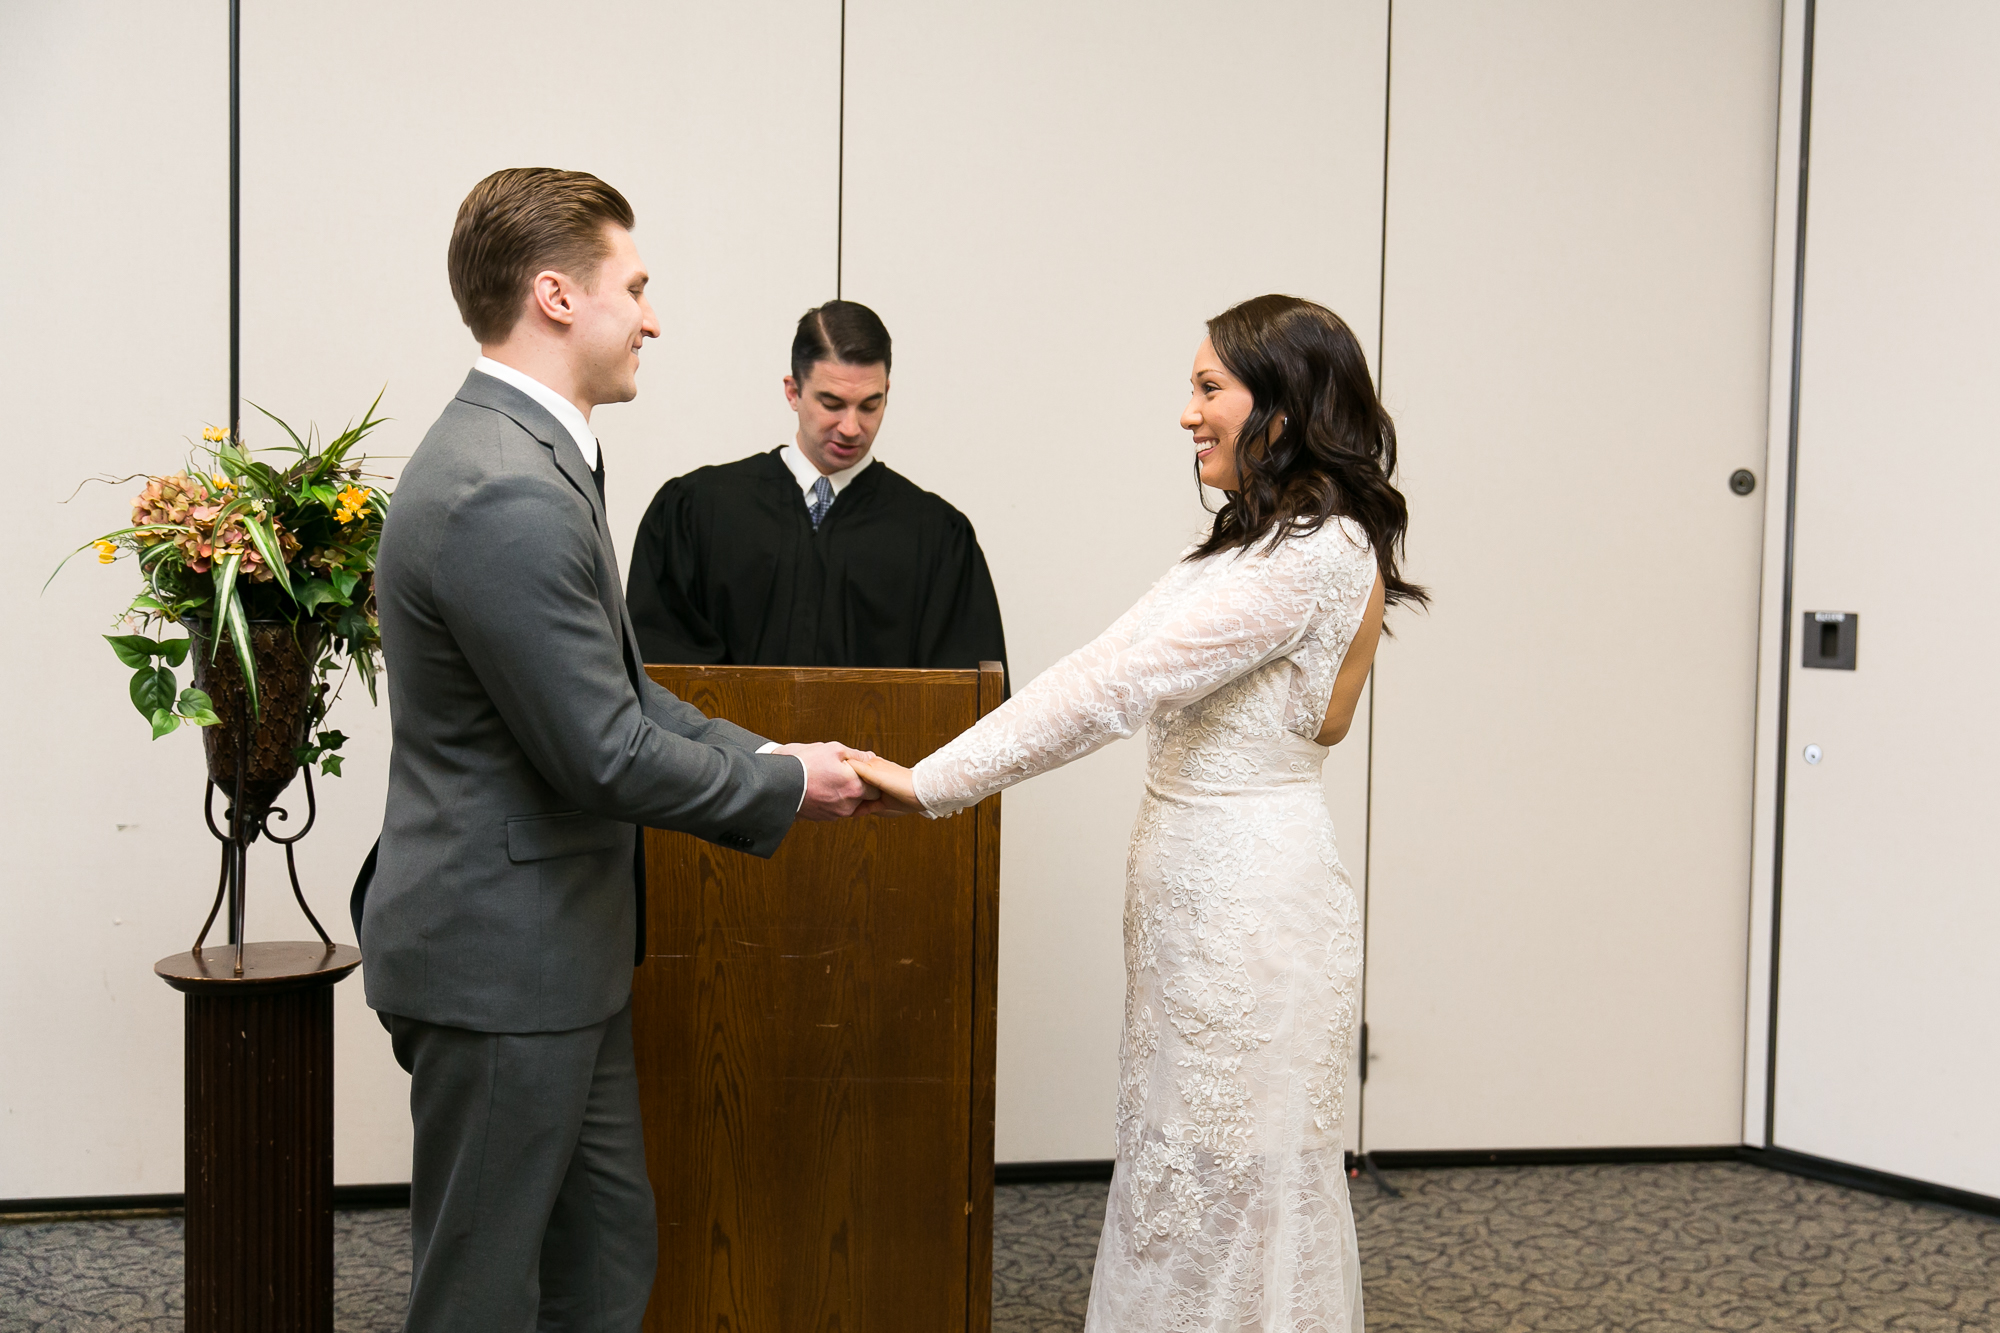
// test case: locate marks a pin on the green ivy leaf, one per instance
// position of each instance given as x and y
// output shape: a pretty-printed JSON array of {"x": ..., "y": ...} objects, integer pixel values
[
  {"x": 134, "y": 650},
  {"x": 198, "y": 708},
  {"x": 174, "y": 651},
  {"x": 164, "y": 721},
  {"x": 315, "y": 593},
  {"x": 344, "y": 581},
  {"x": 152, "y": 690},
  {"x": 332, "y": 740},
  {"x": 329, "y": 765}
]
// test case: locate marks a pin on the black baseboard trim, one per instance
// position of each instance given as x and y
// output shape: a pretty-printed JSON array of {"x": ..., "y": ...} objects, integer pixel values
[
  {"x": 1045, "y": 1173},
  {"x": 1872, "y": 1181},
  {"x": 1051, "y": 1173},
  {"x": 89, "y": 1205},
  {"x": 397, "y": 1195},
  {"x": 1432, "y": 1160},
  {"x": 160, "y": 1205}
]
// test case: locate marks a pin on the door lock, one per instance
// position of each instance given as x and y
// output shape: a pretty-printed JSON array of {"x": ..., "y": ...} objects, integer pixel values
[{"x": 1743, "y": 481}]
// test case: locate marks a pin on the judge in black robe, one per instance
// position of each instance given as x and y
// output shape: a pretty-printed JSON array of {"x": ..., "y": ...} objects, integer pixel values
[{"x": 728, "y": 567}]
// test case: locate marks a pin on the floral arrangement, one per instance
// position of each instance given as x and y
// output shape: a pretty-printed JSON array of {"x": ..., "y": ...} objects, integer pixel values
[{"x": 232, "y": 538}]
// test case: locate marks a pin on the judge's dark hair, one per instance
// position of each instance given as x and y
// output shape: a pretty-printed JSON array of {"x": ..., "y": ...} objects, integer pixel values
[
  {"x": 517, "y": 223},
  {"x": 843, "y": 331},
  {"x": 1335, "y": 452}
]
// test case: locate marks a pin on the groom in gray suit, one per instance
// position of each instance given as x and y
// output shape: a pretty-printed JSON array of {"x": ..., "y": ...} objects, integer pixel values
[{"x": 500, "y": 925}]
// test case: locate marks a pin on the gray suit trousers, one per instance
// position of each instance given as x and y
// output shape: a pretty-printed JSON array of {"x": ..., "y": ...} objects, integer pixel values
[{"x": 530, "y": 1208}]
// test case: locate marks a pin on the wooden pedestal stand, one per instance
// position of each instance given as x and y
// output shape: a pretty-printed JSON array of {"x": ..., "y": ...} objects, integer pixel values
[{"x": 260, "y": 1133}]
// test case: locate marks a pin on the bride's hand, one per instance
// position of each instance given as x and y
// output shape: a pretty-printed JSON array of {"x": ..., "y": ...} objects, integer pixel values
[{"x": 896, "y": 783}]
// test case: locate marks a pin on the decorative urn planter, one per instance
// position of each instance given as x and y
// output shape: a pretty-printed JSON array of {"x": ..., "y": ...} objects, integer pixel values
[{"x": 267, "y": 737}]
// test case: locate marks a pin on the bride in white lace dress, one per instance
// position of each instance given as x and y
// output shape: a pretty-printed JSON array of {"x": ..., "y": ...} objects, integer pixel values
[{"x": 1228, "y": 1206}]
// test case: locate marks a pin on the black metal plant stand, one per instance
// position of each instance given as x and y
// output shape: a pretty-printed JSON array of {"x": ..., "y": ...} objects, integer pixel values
[{"x": 245, "y": 827}]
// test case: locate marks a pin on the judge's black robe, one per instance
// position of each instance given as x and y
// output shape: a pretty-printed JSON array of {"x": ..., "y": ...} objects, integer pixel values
[{"x": 727, "y": 568}]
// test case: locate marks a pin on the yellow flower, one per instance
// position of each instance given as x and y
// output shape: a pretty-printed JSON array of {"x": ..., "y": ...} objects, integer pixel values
[
  {"x": 106, "y": 552},
  {"x": 214, "y": 435},
  {"x": 353, "y": 499}
]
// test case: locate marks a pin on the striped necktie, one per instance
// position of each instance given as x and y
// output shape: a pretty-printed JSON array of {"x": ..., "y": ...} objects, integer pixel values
[{"x": 822, "y": 500}]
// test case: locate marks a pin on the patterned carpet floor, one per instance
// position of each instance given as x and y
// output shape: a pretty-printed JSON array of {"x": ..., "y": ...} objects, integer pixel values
[{"x": 1584, "y": 1249}]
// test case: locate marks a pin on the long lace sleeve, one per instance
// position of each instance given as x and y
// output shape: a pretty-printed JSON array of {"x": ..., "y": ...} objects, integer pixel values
[{"x": 1199, "y": 633}]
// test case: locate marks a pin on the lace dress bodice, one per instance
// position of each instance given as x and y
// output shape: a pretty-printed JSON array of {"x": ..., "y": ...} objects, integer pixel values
[
  {"x": 1205, "y": 624},
  {"x": 1228, "y": 1206}
]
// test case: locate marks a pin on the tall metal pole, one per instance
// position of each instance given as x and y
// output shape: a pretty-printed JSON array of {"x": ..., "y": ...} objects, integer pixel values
[
  {"x": 235, "y": 915},
  {"x": 840, "y": 163},
  {"x": 235, "y": 212}
]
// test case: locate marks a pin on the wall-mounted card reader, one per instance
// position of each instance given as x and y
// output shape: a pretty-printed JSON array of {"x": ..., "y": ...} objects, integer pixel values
[{"x": 1829, "y": 639}]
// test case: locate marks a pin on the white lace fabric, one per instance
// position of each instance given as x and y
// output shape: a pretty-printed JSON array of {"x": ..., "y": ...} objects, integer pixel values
[{"x": 1228, "y": 1207}]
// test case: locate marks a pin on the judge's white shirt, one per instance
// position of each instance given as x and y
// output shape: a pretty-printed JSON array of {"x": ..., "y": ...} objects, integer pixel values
[
  {"x": 806, "y": 474},
  {"x": 564, "y": 411},
  {"x": 561, "y": 408}
]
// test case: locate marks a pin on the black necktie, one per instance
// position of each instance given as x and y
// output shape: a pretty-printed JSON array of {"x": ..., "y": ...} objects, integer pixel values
[{"x": 638, "y": 832}]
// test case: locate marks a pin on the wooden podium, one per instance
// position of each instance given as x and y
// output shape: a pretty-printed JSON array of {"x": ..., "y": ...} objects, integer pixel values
[{"x": 815, "y": 1035}]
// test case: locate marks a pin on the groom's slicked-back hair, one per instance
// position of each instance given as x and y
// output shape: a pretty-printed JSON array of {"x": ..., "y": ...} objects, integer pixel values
[
  {"x": 515, "y": 224},
  {"x": 843, "y": 331}
]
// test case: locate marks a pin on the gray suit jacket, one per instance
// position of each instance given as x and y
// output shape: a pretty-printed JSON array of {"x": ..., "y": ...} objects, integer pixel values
[{"x": 528, "y": 740}]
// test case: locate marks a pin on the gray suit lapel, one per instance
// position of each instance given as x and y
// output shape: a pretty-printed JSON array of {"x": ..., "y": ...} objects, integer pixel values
[
  {"x": 531, "y": 416},
  {"x": 485, "y": 391}
]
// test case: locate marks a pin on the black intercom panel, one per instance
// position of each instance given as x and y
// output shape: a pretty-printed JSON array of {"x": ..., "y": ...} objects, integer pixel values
[{"x": 1829, "y": 639}]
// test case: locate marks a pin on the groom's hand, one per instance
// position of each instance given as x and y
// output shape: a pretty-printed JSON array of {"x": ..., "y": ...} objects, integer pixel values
[{"x": 832, "y": 789}]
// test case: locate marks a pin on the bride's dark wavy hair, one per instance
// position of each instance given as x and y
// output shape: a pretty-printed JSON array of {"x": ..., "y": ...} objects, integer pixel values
[{"x": 1336, "y": 451}]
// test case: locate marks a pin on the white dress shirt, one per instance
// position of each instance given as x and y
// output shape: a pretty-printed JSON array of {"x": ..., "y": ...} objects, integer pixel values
[
  {"x": 561, "y": 408},
  {"x": 806, "y": 474},
  {"x": 564, "y": 411}
]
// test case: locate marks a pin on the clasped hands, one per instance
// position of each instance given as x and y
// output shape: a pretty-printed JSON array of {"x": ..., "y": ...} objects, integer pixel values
[{"x": 842, "y": 781}]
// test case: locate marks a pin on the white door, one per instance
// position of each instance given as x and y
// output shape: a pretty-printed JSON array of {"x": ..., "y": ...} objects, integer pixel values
[
  {"x": 1888, "y": 978},
  {"x": 1576, "y": 314}
]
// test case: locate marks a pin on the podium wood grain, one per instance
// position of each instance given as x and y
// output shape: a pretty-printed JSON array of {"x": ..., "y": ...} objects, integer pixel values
[{"x": 815, "y": 1036}]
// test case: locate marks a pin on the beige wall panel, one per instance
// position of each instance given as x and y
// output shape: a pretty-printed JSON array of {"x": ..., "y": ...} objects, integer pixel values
[
  {"x": 1888, "y": 1025},
  {"x": 1577, "y": 297},
  {"x": 364, "y": 126},
  {"x": 1044, "y": 201},
  {"x": 114, "y": 146}
]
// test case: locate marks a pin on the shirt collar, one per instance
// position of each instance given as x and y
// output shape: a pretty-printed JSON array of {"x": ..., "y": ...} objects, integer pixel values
[
  {"x": 806, "y": 474},
  {"x": 561, "y": 408}
]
